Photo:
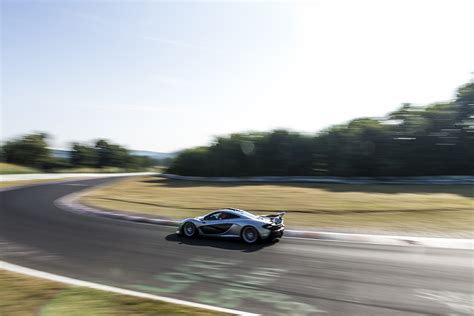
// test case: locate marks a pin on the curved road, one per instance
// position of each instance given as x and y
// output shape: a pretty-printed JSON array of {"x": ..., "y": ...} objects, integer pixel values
[{"x": 291, "y": 277}]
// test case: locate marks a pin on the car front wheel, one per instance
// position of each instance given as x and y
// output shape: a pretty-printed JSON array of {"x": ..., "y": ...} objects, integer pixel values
[
  {"x": 189, "y": 229},
  {"x": 249, "y": 235}
]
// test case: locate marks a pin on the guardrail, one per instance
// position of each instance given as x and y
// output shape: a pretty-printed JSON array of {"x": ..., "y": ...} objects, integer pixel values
[{"x": 447, "y": 180}]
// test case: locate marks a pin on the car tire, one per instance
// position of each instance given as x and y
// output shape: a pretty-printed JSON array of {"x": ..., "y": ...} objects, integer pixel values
[
  {"x": 189, "y": 230},
  {"x": 249, "y": 235}
]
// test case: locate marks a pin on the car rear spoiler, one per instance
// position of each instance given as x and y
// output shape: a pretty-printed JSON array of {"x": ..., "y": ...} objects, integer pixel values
[
  {"x": 276, "y": 218},
  {"x": 279, "y": 214}
]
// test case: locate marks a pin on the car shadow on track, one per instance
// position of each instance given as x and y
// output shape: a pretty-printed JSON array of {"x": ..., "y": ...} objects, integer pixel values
[{"x": 230, "y": 244}]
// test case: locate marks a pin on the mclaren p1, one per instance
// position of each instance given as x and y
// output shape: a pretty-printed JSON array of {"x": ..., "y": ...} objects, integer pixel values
[{"x": 234, "y": 223}]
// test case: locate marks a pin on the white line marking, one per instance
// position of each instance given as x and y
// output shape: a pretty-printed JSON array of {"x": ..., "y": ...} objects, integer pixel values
[
  {"x": 339, "y": 241},
  {"x": 459, "y": 302},
  {"x": 66, "y": 280}
]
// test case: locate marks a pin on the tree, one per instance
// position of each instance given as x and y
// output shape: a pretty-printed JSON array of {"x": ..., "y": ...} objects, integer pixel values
[
  {"x": 111, "y": 155},
  {"x": 30, "y": 150},
  {"x": 83, "y": 155},
  {"x": 191, "y": 162},
  {"x": 465, "y": 123},
  {"x": 437, "y": 139}
]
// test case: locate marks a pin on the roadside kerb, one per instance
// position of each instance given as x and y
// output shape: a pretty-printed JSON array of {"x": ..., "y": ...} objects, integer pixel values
[{"x": 72, "y": 203}]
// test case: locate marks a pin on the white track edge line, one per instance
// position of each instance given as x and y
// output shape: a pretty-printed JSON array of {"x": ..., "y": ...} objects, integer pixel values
[
  {"x": 75, "y": 282},
  {"x": 373, "y": 243}
]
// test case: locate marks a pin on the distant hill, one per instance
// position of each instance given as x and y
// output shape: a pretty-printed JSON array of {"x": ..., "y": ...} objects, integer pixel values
[
  {"x": 153, "y": 154},
  {"x": 64, "y": 153},
  {"x": 60, "y": 153}
]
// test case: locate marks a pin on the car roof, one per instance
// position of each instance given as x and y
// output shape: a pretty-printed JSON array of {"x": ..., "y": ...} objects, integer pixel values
[{"x": 232, "y": 210}]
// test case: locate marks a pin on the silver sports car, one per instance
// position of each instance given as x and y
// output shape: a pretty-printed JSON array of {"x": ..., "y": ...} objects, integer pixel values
[{"x": 231, "y": 222}]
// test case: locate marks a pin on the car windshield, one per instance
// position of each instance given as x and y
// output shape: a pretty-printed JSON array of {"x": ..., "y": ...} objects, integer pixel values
[{"x": 212, "y": 216}]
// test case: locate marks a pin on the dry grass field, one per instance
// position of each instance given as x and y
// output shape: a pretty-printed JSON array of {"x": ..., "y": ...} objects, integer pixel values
[
  {"x": 6, "y": 184},
  {"x": 415, "y": 209},
  {"x": 9, "y": 168}
]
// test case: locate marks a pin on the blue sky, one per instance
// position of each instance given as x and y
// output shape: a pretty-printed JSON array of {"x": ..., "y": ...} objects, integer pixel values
[{"x": 169, "y": 75}]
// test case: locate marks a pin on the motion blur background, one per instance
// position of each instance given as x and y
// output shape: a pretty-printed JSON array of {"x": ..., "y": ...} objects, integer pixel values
[{"x": 356, "y": 93}]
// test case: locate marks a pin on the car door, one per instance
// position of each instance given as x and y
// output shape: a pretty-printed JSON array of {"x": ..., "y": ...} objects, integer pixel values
[
  {"x": 214, "y": 224},
  {"x": 229, "y": 224}
]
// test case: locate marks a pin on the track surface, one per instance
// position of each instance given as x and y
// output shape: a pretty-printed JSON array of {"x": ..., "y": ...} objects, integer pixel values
[{"x": 291, "y": 277}]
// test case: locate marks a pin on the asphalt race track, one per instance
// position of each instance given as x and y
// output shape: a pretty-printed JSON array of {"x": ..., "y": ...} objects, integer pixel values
[{"x": 290, "y": 277}]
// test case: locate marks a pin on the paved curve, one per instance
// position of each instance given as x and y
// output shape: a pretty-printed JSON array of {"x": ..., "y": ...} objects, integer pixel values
[{"x": 291, "y": 277}]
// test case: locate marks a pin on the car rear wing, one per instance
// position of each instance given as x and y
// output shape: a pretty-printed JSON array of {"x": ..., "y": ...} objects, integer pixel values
[
  {"x": 279, "y": 214},
  {"x": 277, "y": 218}
]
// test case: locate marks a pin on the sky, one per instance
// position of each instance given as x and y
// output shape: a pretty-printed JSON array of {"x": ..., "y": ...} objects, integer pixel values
[{"x": 163, "y": 76}]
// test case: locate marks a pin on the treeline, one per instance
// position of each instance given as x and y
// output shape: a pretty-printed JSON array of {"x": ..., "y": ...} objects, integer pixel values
[
  {"x": 33, "y": 151},
  {"x": 412, "y": 141}
]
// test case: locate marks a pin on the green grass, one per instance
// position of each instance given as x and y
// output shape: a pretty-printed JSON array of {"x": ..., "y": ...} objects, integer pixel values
[
  {"x": 419, "y": 209},
  {"x": 8, "y": 168},
  {"x": 106, "y": 170},
  {"x": 91, "y": 170},
  {"x": 27, "y": 296},
  {"x": 6, "y": 184}
]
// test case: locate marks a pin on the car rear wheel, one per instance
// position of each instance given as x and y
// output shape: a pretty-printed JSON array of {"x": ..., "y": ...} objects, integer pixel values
[
  {"x": 189, "y": 229},
  {"x": 249, "y": 235}
]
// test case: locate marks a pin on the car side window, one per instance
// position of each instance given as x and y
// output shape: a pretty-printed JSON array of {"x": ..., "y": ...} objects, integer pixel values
[
  {"x": 229, "y": 216},
  {"x": 213, "y": 216},
  {"x": 220, "y": 216}
]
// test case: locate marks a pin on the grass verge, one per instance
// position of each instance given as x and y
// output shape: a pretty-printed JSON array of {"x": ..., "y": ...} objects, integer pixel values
[
  {"x": 108, "y": 170},
  {"x": 24, "y": 296},
  {"x": 8, "y": 168},
  {"x": 100, "y": 170},
  {"x": 418, "y": 209},
  {"x": 6, "y": 184}
]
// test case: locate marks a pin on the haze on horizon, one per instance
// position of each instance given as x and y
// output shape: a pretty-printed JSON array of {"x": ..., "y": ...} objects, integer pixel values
[{"x": 164, "y": 76}]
